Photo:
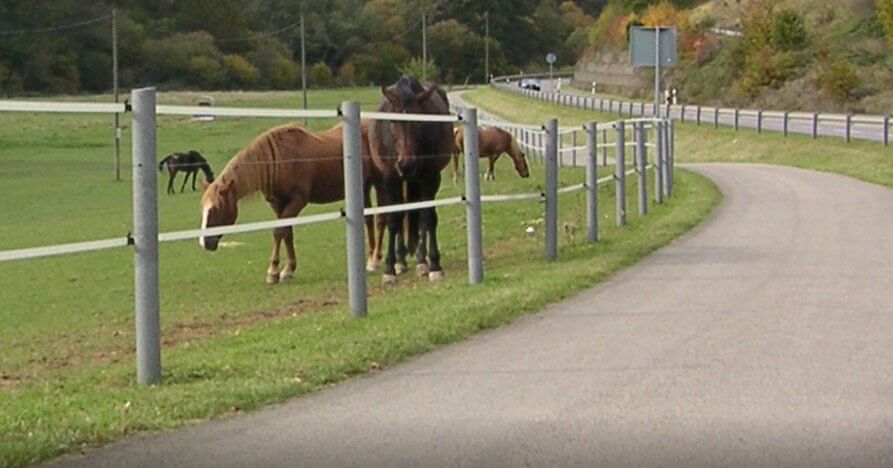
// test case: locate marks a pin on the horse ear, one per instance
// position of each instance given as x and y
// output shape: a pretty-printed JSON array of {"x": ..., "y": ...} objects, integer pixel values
[
  {"x": 389, "y": 94},
  {"x": 424, "y": 95}
]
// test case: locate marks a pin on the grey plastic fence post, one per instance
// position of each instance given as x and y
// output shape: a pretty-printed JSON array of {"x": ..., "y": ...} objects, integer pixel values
[
  {"x": 670, "y": 159},
  {"x": 716, "y": 117},
  {"x": 849, "y": 126},
  {"x": 620, "y": 173},
  {"x": 669, "y": 113},
  {"x": 574, "y": 150},
  {"x": 682, "y": 114},
  {"x": 145, "y": 237},
  {"x": 604, "y": 147},
  {"x": 660, "y": 160},
  {"x": 784, "y": 124},
  {"x": 641, "y": 162},
  {"x": 591, "y": 181},
  {"x": 641, "y": 109},
  {"x": 551, "y": 214},
  {"x": 815, "y": 125},
  {"x": 353, "y": 208},
  {"x": 737, "y": 114},
  {"x": 698, "y": 115},
  {"x": 473, "y": 198},
  {"x": 886, "y": 130},
  {"x": 630, "y": 110},
  {"x": 759, "y": 121},
  {"x": 601, "y": 104}
]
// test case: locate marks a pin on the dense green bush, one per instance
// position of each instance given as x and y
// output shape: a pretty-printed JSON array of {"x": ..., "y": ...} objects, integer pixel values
[
  {"x": 320, "y": 75},
  {"x": 240, "y": 72},
  {"x": 840, "y": 80}
]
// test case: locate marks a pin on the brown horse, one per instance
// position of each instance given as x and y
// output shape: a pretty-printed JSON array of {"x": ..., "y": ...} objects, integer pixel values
[
  {"x": 409, "y": 157},
  {"x": 492, "y": 142},
  {"x": 291, "y": 166}
]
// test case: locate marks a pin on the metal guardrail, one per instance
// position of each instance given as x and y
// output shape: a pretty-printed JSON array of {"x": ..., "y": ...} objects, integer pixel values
[{"x": 847, "y": 126}]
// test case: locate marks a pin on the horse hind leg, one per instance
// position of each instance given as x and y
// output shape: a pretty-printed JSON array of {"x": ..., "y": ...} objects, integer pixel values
[
  {"x": 273, "y": 269},
  {"x": 291, "y": 264}
]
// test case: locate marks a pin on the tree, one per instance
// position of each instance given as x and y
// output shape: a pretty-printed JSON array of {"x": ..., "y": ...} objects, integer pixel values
[
  {"x": 459, "y": 51},
  {"x": 885, "y": 16}
]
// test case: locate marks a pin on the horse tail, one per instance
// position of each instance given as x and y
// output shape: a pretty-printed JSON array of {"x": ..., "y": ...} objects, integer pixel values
[{"x": 163, "y": 162}]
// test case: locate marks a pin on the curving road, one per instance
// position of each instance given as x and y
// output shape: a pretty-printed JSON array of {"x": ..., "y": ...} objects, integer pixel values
[{"x": 763, "y": 338}]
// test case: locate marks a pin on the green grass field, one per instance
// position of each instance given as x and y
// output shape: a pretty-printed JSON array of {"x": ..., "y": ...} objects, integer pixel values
[
  {"x": 231, "y": 342},
  {"x": 869, "y": 161}
]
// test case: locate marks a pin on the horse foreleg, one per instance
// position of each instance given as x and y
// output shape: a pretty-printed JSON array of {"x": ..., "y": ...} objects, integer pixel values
[
  {"x": 402, "y": 249},
  {"x": 422, "y": 268},
  {"x": 170, "y": 183},
  {"x": 491, "y": 174},
  {"x": 436, "y": 273},
  {"x": 186, "y": 179},
  {"x": 394, "y": 225},
  {"x": 193, "y": 180}
]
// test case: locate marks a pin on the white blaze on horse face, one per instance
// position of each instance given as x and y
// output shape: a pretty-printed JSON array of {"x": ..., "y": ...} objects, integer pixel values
[{"x": 205, "y": 211}]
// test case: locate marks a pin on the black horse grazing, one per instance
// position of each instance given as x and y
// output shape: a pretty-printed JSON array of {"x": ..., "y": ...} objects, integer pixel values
[
  {"x": 414, "y": 154},
  {"x": 190, "y": 163}
]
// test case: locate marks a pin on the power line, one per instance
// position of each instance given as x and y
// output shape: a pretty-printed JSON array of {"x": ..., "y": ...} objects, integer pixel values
[{"x": 55, "y": 28}]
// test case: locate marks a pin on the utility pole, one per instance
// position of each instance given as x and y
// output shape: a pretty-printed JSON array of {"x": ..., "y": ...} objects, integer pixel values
[
  {"x": 486, "y": 47},
  {"x": 303, "y": 67},
  {"x": 115, "y": 92}
]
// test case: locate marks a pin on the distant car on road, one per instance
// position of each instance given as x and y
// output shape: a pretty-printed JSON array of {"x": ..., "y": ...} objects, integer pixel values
[{"x": 530, "y": 83}]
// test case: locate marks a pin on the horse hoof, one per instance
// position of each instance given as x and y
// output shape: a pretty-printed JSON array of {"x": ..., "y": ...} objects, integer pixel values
[
  {"x": 435, "y": 276},
  {"x": 400, "y": 268},
  {"x": 371, "y": 265},
  {"x": 272, "y": 278},
  {"x": 422, "y": 269},
  {"x": 286, "y": 275},
  {"x": 388, "y": 280}
]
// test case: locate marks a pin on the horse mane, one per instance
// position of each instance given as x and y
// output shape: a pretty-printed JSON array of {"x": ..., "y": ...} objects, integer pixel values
[{"x": 254, "y": 167}]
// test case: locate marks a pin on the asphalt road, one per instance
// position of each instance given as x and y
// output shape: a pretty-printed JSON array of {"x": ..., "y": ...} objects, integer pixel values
[{"x": 763, "y": 338}]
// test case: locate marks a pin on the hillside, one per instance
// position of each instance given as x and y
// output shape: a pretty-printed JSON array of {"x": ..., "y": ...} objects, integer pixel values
[{"x": 792, "y": 54}]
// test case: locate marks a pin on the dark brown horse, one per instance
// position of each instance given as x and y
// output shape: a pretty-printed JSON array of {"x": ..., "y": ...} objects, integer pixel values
[
  {"x": 190, "y": 163},
  {"x": 492, "y": 142},
  {"x": 291, "y": 166},
  {"x": 409, "y": 157}
]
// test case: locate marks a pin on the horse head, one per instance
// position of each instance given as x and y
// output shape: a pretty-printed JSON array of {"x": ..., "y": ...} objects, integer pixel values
[
  {"x": 401, "y": 98},
  {"x": 219, "y": 208},
  {"x": 519, "y": 158}
]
